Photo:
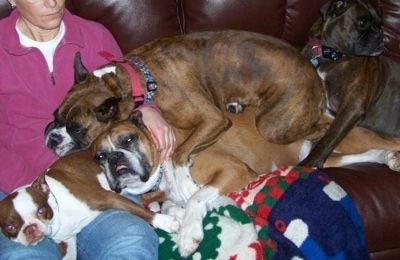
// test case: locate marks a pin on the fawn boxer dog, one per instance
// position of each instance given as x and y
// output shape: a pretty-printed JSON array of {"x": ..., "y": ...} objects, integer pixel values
[
  {"x": 62, "y": 201},
  {"x": 129, "y": 158},
  {"x": 193, "y": 78},
  {"x": 362, "y": 87},
  {"x": 131, "y": 163}
]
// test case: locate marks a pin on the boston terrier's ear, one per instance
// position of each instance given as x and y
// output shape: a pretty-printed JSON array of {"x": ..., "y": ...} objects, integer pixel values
[
  {"x": 41, "y": 185},
  {"x": 81, "y": 73},
  {"x": 108, "y": 109}
]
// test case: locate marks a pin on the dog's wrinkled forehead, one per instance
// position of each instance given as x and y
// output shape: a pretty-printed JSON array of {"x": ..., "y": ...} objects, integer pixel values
[
  {"x": 121, "y": 134},
  {"x": 339, "y": 7}
]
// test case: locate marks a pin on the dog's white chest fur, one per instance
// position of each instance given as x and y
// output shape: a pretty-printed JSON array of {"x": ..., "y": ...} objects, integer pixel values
[
  {"x": 70, "y": 214},
  {"x": 178, "y": 184}
]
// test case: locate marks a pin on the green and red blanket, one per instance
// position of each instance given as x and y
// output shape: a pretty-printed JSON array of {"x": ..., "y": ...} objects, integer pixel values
[{"x": 290, "y": 213}]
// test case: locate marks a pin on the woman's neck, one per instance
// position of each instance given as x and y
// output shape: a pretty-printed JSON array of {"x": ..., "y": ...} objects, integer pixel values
[{"x": 35, "y": 33}]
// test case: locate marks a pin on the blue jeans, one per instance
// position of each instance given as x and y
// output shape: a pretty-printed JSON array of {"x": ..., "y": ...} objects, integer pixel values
[{"x": 114, "y": 234}]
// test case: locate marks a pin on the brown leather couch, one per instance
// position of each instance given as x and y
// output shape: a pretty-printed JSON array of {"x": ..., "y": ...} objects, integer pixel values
[{"x": 374, "y": 188}]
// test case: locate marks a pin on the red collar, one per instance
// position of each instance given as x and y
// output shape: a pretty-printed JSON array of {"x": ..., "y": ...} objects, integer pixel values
[{"x": 137, "y": 92}]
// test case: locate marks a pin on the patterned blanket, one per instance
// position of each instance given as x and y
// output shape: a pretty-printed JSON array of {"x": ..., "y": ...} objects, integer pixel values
[{"x": 290, "y": 213}]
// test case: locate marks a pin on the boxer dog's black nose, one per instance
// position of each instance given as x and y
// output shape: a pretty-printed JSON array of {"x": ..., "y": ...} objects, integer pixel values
[
  {"x": 54, "y": 141},
  {"x": 114, "y": 157}
]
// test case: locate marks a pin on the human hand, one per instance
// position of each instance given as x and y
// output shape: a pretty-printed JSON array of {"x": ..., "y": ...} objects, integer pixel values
[{"x": 161, "y": 132}]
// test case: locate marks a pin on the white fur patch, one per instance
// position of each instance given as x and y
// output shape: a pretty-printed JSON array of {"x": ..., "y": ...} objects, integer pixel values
[
  {"x": 374, "y": 155},
  {"x": 167, "y": 223},
  {"x": 178, "y": 184},
  {"x": 67, "y": 142},
  {"x": 70, "y": 214},
  {"x": 322, "y": 74},
  {"x": 137, "y": 187},
  {"x": 103, "y": 71},
  {"x": 103, "y": 181},
  {"x": 191, "y": 233},
  {"x": 305, "y": 150}
]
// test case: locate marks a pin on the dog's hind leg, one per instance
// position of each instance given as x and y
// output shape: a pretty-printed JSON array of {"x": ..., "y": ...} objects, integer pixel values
[
  {"x": 390, "y": 158},
  {"x": 205, "y": 133},
  {"x": 284, "y": 118}
]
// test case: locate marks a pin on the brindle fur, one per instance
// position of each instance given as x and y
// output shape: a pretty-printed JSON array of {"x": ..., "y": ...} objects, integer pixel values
[
  {"x": 197, "y": 76},
  {"x": 361, "y": 90}
]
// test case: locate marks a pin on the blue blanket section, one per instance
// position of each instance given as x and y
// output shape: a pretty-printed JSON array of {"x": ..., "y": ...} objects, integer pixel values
[{"x": 315, "y": 219}]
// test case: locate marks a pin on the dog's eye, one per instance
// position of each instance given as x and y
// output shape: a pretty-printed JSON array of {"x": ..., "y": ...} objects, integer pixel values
[
  {"x": 364, "y": 23},
  {"x": 41, "y": 211},
  {"x": 99, "y": 157},
  {"x": 129, "y": 139},
  {"x": 9, "y": 228}
]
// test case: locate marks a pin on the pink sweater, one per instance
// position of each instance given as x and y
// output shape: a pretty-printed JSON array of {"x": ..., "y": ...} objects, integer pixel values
[{"x": 28, "y": 95}]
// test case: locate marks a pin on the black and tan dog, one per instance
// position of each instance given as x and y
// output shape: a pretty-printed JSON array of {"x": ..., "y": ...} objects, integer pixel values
[
  {"x": 198, "y": 77},
  {"x": 362, "y": 86}
]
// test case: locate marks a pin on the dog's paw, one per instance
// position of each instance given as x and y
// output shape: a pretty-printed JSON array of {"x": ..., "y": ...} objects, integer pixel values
[
  {"x": 392, "y": 160},
  {"x": 173, "y": 211},
  {"x": 189, "y": 238},
  {"x": 167, "y": 223}
]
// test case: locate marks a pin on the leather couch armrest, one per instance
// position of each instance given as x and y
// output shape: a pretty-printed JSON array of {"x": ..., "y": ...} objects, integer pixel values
[{"x": 375, "y": 190}]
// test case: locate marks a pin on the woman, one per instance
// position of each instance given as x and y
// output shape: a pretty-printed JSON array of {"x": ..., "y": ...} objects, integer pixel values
[{"x": 37, "y": 44}]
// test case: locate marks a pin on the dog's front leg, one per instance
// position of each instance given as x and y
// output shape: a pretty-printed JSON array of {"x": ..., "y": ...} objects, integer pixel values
[
  {"x": 325, "y": 146},
  {"x": 68, "y": 249},
  {"x": 116, "y": 201},
  {"x": 339, "y": 128},
  {"x": 191, "y": 233}
]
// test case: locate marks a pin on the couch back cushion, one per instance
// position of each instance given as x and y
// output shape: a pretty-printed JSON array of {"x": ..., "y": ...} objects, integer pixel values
[
  {"x": 288, "y": 20},
  {"x": 135, "y": 22}
]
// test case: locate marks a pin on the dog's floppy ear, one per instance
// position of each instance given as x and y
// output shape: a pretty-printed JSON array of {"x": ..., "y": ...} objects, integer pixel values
[
  {"x": 41, "y": 185},
  {"x": 81, "y": 73},
  {"x": 108, "y": 109},
  {"x": 337, "y": 7},
  {"x": 137, "y": 119}
]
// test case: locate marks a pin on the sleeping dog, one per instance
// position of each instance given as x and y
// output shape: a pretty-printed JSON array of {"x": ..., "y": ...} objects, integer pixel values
[
  {"x": 130, "y": 160},
  {"x": 193, "y": 79}
]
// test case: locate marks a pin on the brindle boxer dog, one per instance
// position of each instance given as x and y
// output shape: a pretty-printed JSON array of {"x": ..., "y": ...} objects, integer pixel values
[
  {"x": 198, "y": 76},
  {"x": 131, "y": 163},
  {"x": 362, "y": 86}
]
